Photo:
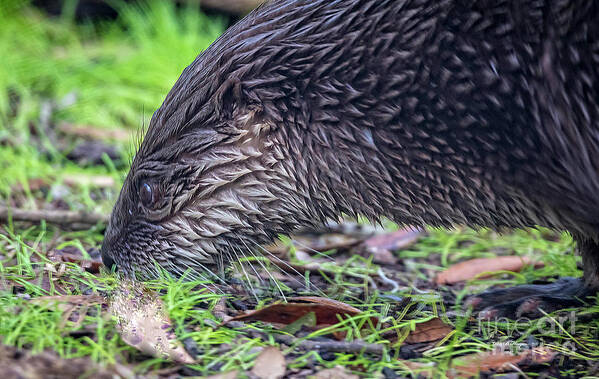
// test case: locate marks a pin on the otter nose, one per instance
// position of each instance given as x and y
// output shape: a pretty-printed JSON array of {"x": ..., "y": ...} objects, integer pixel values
[{"x": 108, "y": 261}]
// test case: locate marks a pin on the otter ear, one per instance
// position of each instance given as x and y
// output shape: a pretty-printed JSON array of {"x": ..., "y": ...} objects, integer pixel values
[{"x": 227, "y": 96}]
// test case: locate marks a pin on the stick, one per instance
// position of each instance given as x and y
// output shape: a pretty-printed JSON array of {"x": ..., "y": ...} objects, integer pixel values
[
  {"x": 59, "y": 217},
  {"x": 353, "y": 347},
  {"x": 334, "y": 346}
]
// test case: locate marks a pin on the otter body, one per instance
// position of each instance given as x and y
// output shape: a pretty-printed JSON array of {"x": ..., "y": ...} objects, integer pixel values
[{"x": 442, "y": 113}]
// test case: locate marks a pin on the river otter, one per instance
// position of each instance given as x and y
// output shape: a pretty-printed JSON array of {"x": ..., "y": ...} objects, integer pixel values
[{"x": 426, "y": 112}]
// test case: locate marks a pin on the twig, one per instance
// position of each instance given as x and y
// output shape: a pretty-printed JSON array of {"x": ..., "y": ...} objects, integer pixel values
[
  {"x": 353, "y": 347},
  {"x": 59, "y": 217},
  {"x": 308, "y": 345}
]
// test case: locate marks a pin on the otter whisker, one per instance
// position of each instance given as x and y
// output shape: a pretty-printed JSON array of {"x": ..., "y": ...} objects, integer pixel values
[
  {"x": 258, "y": 276},
  {"x": 318, "y": 290},
  {"x": 193, "y": 263},
  {"x": 265, "y": 269},
  {"x": 275, "y": 281},
  {"x": 212, "y": 273},
  {"x": 251, "y": 263},
  {"x": 236, "y": 249},
  {"x": 195, "y": 274},
  {"x": 213, "y": 289},
  {"x": 202, "y": 278},
  {"x": 192, "y": 273},
  {"x": 221, "y": 265},
  {"x": 252, "y": 290},
  {"x": 229, "y": 256}
]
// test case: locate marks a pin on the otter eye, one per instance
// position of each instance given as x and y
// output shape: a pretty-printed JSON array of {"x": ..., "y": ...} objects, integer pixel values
[{"x": 147, "y": 195}]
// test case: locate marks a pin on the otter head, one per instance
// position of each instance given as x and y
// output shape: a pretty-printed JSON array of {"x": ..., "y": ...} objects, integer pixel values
[{"x": 211, "y": 179}]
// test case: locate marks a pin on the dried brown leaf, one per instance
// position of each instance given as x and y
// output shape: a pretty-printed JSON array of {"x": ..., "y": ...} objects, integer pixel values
[
  {"x": 381, "y": 246},
  {"x": 337, "y": 372},
  {"x": 143, "y": 323},
  {"x": 395, "y": 240},
  {"x": 325, "y": 310},
  {"x": 428, "y": 331},
  {"x": 499, "y": 361},
  {"x": 470, "y": 269},
  {"x": 270, "y": 364},
  {"x": 224, "y": 375},
  {"x": 72, "y": 254}
]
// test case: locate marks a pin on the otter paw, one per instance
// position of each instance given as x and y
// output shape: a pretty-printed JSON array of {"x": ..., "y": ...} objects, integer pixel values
[{"x": 530, "y": 300}]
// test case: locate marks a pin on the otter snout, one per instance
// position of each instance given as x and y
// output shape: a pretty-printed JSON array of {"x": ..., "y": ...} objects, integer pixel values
[
  {"x": 107, "y": 259},
  {"x": 107, "y": 248}
]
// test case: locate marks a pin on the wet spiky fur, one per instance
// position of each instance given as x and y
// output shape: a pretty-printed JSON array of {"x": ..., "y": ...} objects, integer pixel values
[{"x": 481, "y": 113}]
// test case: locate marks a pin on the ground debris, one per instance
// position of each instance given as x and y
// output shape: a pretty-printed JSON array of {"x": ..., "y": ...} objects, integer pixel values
[
  {"x": 382, "y": 245},
  {"x": 473, "y": 268},
  {"x": 270, "y": 364},
  {"x": 428, "y": 331},
  {"x": 500, "y": 361},
  {"x": 337, "y": 372},
  {"x": 143, "y": 323},
  {"x": 73, "y": 254},
  {"x": 326, "y": 311},
  {"x": 18, "y": 364}
]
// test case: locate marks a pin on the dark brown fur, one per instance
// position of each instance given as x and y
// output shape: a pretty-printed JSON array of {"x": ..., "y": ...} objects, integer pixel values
[{"x": 480, "y": 113}]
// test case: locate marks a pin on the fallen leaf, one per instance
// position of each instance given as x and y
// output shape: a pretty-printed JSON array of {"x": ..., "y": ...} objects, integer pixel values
[
  {"x": 325, "y": 242},
  {"x": 73, "y": 254},
  {"x": 470, "y": 269},
  {"x": 143, "y": 323},
  {"x": 309, "y": 243},
  {"x": 225, "y": 375},
  {"x": 307, "y": 320},
  {"x": 325, "y": 310},
  {"x": 499, "y": 361},
  {"x": 381, "y": 246},
  {"x": 428, "y": 331},
  {"x": 337, "y": 372},
  {"x": 293, "y": 268},
  {"x": 270, "y": 364},
  {"x": 395, "y": 240}
]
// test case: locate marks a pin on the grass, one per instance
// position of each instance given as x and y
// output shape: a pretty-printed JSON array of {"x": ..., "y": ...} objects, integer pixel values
[{"x": 118, "y": 72}]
